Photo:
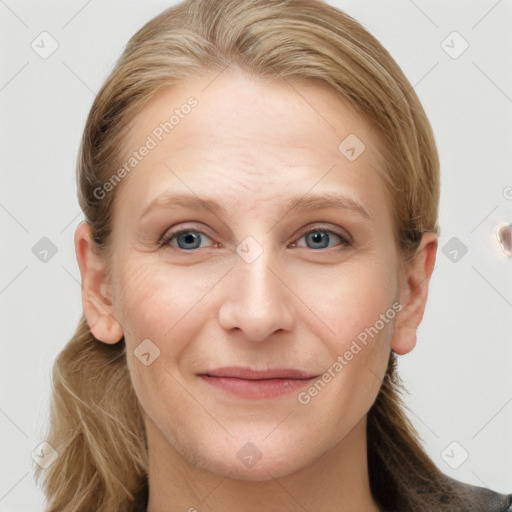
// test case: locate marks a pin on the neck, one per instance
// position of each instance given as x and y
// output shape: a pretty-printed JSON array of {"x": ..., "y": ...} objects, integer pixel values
[{"x": 337, "y": 481}]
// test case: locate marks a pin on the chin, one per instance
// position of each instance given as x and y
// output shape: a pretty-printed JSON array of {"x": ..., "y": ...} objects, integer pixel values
[
  {"x": 263, "y": 470},
  {"x": 256, "y": 461}
]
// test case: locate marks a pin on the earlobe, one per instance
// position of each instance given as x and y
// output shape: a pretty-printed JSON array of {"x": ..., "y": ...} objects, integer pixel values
[
  {"x": 96, "y": 293},
  {"x": 414, "y": 294}
]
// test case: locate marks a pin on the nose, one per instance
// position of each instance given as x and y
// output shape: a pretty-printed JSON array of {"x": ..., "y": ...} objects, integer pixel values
[{"x": 257, "y": 300}]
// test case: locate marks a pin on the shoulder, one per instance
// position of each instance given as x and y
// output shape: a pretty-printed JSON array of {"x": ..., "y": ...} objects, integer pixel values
[{"x": 490, "y": 501}]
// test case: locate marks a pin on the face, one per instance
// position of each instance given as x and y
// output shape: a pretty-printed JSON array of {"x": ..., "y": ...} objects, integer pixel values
[{"x": 269, "y": 310}]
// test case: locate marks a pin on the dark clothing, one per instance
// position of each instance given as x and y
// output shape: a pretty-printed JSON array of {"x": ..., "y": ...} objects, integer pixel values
[{"x": 491, "y": 501}]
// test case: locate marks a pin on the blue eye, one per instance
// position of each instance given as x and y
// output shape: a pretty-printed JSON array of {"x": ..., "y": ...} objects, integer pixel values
[
  {"x": 319, "y": 238},
  {"x": 186, "y": 238},
  {"x": 316, "y": 238}
]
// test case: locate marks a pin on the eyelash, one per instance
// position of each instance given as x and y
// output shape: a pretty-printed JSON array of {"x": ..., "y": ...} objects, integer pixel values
[{"x": 345, "y": 242}]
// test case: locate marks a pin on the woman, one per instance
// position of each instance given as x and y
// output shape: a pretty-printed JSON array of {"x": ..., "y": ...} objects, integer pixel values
[{"x": 260, "y": 185}]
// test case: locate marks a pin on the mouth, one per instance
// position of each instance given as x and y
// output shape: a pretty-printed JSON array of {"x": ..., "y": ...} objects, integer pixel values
[{"x": 257, "y": 384}]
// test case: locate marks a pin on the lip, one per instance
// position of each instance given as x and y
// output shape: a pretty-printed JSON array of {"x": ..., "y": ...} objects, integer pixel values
[{"x": 256, "y": 384}]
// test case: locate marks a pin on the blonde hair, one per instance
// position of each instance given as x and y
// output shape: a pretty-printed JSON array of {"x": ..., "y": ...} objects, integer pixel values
[{"x": 95, "y": 418}]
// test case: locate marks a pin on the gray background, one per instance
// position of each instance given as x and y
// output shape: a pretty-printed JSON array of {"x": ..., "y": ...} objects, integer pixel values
[{"x": 458, "y": 376}]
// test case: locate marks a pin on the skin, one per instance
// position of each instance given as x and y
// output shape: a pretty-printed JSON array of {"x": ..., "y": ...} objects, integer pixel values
[{"x": 251, "y": 144}]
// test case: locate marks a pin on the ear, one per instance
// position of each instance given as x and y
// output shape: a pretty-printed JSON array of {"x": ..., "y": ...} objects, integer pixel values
[
  {"x": 413, "y": 294},
  {"x": 96, "y": 292}
]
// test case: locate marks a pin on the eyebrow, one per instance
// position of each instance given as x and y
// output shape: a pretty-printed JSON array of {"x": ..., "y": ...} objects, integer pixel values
[{"x": 294, "y": 204}]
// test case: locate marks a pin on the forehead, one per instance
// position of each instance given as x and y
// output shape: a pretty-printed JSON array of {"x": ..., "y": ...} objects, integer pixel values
[
  {"x": 251, "y": 139},
  {"x": 234, "y": 107}
]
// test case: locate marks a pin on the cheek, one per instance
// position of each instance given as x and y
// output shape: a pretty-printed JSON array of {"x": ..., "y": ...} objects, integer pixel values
[
  {"x": 357, "y": 306},
  {"x": 169, "y": 307},
  {"x": 349, "y": 300},
  {"x": 165, "y": 306},
  {"x": 356, "y": 303},
  {"x": 158, "y": 302}
]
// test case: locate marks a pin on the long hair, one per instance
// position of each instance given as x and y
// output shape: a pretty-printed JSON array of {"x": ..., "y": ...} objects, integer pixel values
[{"x": 95, "y": 418}]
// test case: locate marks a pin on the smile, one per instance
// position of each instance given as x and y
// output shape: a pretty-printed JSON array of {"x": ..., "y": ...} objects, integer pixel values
[{"x": 256, "y": 384}]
